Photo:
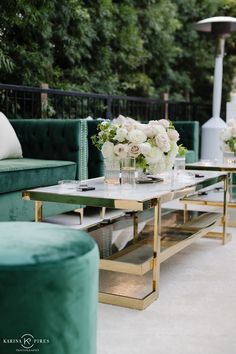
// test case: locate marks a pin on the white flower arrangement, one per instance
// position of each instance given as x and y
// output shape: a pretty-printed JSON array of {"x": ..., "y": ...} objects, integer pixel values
[
  {"x": 153, "y": 145},
  {"x": 228, "y": 136}
]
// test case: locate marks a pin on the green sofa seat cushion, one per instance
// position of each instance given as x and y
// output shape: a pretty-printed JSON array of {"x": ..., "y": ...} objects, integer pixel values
[
  {"x": 48, "y": 288},
  {"x": 20, "y": 174}
]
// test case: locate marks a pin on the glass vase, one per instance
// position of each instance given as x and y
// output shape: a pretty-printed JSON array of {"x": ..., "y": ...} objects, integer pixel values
[{"x": 112, "y": 171}]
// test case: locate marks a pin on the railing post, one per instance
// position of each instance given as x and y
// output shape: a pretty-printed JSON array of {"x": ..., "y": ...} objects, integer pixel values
[
  {"x": 166, "y": 99},
  {"x": 44, "y": 101},
  {"x": 109, "y": 104}
]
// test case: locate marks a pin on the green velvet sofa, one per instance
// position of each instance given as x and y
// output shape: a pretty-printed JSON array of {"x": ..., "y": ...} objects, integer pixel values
[{"x": 53, "y": 150}]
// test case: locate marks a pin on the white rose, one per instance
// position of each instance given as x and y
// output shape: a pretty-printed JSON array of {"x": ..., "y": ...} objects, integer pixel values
[
  {"x": 128, "y": 126},
  {"x": 121, "y": 150},
  {"x": 164, "y": 122},
  {"x": 173, "y": 134},
  {"x": 121, "y": 134},
  {"x": 134, "y": 150},
  {"x": 131, "y": 121},
  {"x": 145, "y": 148},
  {"x": 162, "y": 142},
  {"x": 158, "y": 129},
  {"x": 119, "y": 120},
  {"x": 107, "y": 149},
  {"x": 136, "y": 136},
  {"x": 148, "y": 130}
]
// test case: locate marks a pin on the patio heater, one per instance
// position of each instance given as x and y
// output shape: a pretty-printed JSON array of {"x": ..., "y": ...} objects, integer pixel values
[{"x": 220, "y": 27}]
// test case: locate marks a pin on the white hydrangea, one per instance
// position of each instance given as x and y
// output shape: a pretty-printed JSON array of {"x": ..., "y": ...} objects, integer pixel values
[
  {"x": 145, "y": 149},
  {"x": 155, "y": 155},
  {"x": 121, "y": 134},
  {"x": 107, "y": 150}
]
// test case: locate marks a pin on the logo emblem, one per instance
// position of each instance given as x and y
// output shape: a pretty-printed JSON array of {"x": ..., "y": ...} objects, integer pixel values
[{"x": 27, "y": 341}]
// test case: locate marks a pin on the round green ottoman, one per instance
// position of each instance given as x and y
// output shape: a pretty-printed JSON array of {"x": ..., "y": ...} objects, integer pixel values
[{"x": 48, "y": 289}]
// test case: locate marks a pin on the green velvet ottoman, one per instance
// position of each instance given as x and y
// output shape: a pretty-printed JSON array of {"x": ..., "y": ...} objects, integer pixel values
[{"x": 48, "y": 289}]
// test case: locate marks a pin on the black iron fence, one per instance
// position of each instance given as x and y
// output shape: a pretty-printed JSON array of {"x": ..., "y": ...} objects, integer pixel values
[{"x": 31, "y": 102}]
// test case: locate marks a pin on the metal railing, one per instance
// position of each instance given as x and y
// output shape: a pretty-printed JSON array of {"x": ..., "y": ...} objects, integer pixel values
[{"x": 31, "y": 102}]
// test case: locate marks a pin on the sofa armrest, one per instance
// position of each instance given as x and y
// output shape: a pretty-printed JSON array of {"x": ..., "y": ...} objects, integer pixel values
[
  {"x": 189, "y": 136},
  {"x": 95, "y": 158},
  {"x": 54, "y": 139}
]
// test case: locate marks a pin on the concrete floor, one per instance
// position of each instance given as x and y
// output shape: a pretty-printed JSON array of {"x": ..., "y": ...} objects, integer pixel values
[{"x": 195, "y": 313}]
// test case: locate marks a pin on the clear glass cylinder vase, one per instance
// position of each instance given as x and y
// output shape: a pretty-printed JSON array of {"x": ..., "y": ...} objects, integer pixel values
[{"x": 112, "y": 171}]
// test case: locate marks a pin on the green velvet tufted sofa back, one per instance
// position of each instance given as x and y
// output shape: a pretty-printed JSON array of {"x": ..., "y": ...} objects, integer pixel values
[
  {"x": 189, "y": 136},
  {"x": 54, "y": 139}
]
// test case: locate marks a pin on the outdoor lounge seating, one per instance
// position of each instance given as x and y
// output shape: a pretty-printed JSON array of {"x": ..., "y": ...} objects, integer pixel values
[
  {"x": 56, "y": 150},
  {"x": 53, "y": 150},
  {"x": 48, "y": 289}
]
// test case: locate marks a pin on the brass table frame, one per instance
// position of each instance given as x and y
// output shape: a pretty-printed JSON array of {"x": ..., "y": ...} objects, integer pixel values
[
  {"x": 217, "y": 167},
  {"x": 50, "y": 194}
]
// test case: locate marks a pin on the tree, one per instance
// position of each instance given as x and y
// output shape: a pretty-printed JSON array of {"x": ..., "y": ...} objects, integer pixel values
[{"x": 134, "y": 47}]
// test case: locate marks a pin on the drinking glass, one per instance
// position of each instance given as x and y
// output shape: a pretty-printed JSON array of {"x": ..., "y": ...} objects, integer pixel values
[{"x": 179, "y": 165}]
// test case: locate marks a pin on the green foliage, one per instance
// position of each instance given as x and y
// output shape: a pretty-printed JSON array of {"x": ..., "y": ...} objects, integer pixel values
[
  {"x": 182, "y": 150},
  {"x": 134, "y": 47}
]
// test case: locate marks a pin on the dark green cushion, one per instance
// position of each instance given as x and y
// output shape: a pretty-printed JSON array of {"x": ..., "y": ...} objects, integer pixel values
[
  {"x": 48, "y": 287},
  {"x": 95, "y": 158},
  {"x": 19, "y": 174}
]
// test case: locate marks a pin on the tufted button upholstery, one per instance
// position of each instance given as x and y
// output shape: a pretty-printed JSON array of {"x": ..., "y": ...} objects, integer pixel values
[
  {"x": 189, "y": 137},
  {"x": 54, "y": 139}
]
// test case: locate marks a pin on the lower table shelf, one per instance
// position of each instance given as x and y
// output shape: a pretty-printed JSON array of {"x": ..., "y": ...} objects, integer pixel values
[{"x": 121, "y": 252}]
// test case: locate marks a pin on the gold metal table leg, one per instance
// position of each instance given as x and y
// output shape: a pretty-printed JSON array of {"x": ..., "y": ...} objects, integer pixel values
[
  {"x": 225, "y": 207},
  {"x": 135, "y": 227},
  {"x": 38, "y": 211},
  {"x": 80, "y": 211},
  {"x": 156, "y": 248},
  {"x": 185, "y": 212},
  {"x": 103, "y": 212}
]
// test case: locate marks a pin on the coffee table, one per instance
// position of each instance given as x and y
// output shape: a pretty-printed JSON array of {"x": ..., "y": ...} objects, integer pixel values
[
  {"x": 129, "y": 274},
  {"x": 214, "y": 197}
]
